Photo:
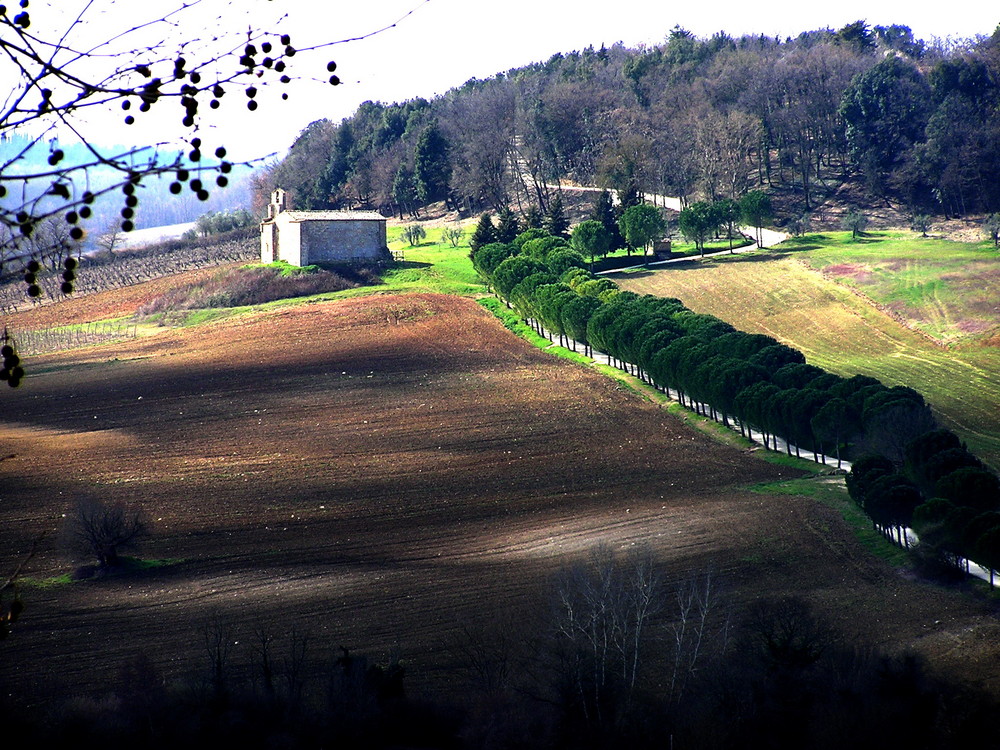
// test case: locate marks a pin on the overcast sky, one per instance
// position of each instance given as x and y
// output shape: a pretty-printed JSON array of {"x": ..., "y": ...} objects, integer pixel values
[{"x": 439, "y": 44}]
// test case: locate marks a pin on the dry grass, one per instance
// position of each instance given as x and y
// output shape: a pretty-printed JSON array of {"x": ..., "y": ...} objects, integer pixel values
[{"x": 843, "y": 332}]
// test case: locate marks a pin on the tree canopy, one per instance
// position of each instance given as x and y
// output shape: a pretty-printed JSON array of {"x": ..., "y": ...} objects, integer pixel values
[
  {"x": 699, "y": 119},
  {"x": 698, "y": 223},
  {"x": 641, "y": 224}
]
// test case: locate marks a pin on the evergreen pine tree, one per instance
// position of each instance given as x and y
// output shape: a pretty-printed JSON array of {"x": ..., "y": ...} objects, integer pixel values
[
  {"x": 555, "y": 222},
  {"x": 508, "y": 227},
  {"x": 533, "y": 218},
  {"x": 485, "y": 232},
  {"x": 404, "y": 191},
  {"x": 628, "y": 197},
  {"x": 431, "y": 166},
  {"x": 604, "y": 212},
  {"x": 324, "y": 193}
]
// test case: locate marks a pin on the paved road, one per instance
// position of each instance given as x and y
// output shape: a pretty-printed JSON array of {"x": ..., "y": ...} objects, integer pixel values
[{"x": 769, "y": 237}]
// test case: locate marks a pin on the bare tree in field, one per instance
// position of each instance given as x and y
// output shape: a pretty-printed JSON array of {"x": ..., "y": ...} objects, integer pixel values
[
  {"x": 101, "y": 531},
  {"x": 112, "y": 238},
  {"x": 603, "y": 612},
  {"x": 219, "y": 635},
  {"x": 700, "y": 625}
]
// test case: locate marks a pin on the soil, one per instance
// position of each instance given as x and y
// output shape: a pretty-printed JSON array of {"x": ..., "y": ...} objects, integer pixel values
[
  {"x": 386, "y": 473},
  {"x": 117, "y": 303}
]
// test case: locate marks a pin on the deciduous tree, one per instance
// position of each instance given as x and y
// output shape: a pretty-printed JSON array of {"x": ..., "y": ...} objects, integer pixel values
[
  {"x": 101, "y": 531},
  {"x": 698, "y": 223},
  {"x": 453, "y": 235},
  {"x": 640, "y": 225},
  {"x": 991, "y": 228},
  {"x": 856, "y": 222},
  {"x": 756, "y": 209},
  {"x": 729, "y": 213},
  {"x": 414, "y": 234},
  {"x": 885, "y": 110},
  {"x": 591, "y": 239}
]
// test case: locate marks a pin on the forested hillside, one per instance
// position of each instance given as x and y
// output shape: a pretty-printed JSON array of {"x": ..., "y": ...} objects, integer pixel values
[{"x": 696, "y": 118}]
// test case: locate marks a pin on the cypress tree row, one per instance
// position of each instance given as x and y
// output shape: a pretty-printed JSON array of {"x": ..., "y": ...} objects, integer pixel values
[{"x": 907, "y": 472}]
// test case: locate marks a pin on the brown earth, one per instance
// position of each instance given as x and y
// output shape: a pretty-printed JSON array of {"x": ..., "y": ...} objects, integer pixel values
[{"x": 386, "y": 484}]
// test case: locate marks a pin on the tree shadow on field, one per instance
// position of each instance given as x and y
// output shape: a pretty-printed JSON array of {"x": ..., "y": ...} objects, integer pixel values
[
  {"x": 410, "y": 264},
  {"x": 130, "y": 569}
]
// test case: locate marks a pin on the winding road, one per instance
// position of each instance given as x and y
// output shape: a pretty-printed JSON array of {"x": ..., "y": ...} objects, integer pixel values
[{"x": 769, "y": 237}]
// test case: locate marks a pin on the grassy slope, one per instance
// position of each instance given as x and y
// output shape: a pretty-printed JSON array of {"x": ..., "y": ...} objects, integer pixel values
[
  {"x": 782, "y": 294},
  {"x": 433, "y": 266},
  {"x": 948, "y": 290}
]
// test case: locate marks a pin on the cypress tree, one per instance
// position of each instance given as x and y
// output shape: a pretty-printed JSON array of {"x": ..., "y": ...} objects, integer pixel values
[
  {"x": 533, "y": 218},
  {"x": 404, "y": 191},
  {"x": 604, "y": 212},
  {"x": 628, "y": 197},
  {"x": 431, "y": 166}
]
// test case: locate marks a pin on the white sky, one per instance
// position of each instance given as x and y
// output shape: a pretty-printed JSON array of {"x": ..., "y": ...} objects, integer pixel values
[{"x": 443, "y": 43}]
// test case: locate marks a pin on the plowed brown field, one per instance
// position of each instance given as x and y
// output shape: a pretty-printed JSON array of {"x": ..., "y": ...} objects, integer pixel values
[{"x": 382, "y": 472}]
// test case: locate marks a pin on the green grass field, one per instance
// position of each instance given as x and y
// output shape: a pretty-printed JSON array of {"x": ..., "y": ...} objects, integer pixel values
[
  {"x": 787, "y": 295},
  {"x": 432, "y": 266},
  {"x": 948, "y": 290}
]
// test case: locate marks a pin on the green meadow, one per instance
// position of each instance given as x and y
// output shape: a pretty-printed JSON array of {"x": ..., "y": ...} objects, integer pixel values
[{"x": 906, "y": 310}]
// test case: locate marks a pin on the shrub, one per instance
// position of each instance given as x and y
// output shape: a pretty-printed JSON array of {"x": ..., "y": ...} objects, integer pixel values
[
  {"x": 252, "y": 286},
  {"x": 453, "y": 235},
  {"x": 414, "y": 234}
]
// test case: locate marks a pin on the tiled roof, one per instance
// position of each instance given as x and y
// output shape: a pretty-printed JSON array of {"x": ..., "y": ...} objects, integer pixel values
[{"x": 334, "y": 215}]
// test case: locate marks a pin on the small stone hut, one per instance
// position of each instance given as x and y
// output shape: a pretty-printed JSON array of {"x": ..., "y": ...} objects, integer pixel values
[{"x": 305, "y": 237}]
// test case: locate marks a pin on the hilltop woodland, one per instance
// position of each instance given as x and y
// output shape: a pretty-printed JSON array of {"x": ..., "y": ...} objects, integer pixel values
[
  {"x": 704, "y": 119},
  {"x": 320, "y": 515}
]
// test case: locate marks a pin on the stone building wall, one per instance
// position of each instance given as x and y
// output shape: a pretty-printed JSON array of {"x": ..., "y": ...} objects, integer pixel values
[
  {"x": 305, "y": 237},
  {"x": 342, "y": 241},
  {"x": 280, "y": 240}
]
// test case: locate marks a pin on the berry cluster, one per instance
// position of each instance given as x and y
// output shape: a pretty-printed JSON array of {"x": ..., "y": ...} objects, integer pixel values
[
  {"x": 22, "y": 19},
  {"x": 68, "y": 275},
  {"x": 263, "y": 59},
  {"x": 31, "y": 270},
  {"x": 11, "y": 371}
]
